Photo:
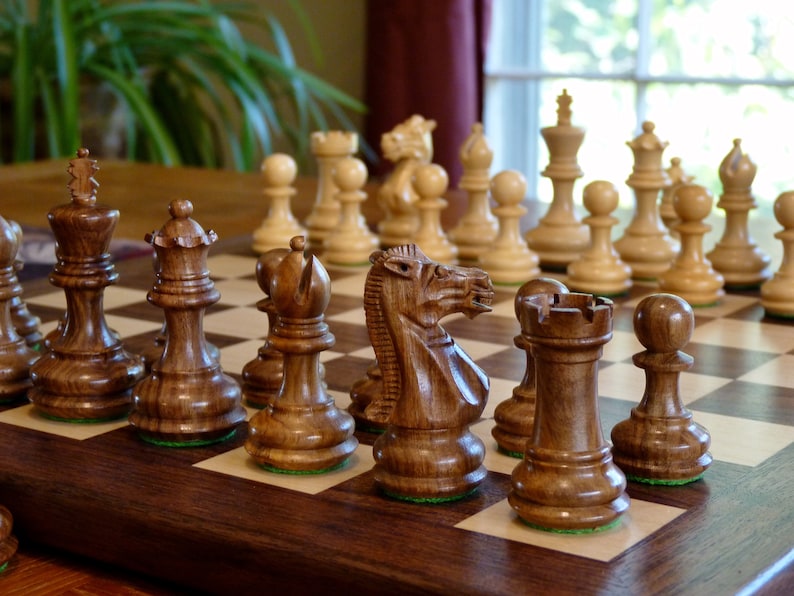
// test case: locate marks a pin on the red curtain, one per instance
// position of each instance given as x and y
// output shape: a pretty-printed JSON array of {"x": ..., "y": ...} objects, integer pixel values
[{"x": 426, "y": 57}]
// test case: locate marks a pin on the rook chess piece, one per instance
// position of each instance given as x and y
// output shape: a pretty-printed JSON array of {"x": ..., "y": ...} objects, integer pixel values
[
  {"x": 430, "y": 183},
  {"x": 278, "y": 172},
  {"x": 660, "y": 443},
  {"x": 777, "y": 294}
]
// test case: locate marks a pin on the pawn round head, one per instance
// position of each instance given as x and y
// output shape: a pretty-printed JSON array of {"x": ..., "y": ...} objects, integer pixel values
[
  {"x": 350, "y": 174},
  {"x": 509, "y": 187},
  {"x": 279, "y": 169},
  {"x": 430, "y": 180},
  {"x": 600, "y": 197},
  {"x": 663, "y": 323},
  {"x": 784, "y": 209},
  {"x": 692, "y": 202}
]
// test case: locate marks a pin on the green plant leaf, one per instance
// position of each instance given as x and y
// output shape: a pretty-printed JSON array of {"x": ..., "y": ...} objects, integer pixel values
[{"x": 68, "y": 76}]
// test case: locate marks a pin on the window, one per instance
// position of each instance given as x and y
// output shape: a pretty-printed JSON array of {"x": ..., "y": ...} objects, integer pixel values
[{"x": 704, "y": 71}]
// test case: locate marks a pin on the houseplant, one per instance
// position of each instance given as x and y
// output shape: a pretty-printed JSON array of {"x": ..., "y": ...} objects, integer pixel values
[{"x": 194, "y": 89}]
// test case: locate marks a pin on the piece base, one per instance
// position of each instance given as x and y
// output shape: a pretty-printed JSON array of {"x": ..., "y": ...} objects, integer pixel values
[
  {"x": 664, "y": 481},
  {"x": 603, "y": 528},
  {"x": 429, "y": 500},
  {"x": 276, "y": 470},
  {"x": 81, "y": 420},
  {"x": 189, "y": 443}
]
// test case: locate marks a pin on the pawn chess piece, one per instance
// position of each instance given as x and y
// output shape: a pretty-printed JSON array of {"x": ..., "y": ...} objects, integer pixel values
[
  {"x": 515, "y": 417},
  {"x": 567, "y": 481},
  {"x": 25, "y": 322},
  {"x": 560, "y": 237},
  {"x": 660, "y": 443},
  {"x": 350, "y": 242},
  {"x": 430, "y": 183},
  {"x": 278, "y": 171},
  {"x": 777, "y": 294},
  {"x": 677, "y": 177},
  {"x": 302, "y": 430},
  {"x": 186, "y": 400},
  {"x": 741, "y": 262},
  {"x": 646, "y": 246},
  {"x": 477, "y": 228},
  {"x": 599, "y": 270},
  {"x": 85, "y": 374},
  {"x": 367, "y": 406},
  {"x": 328, "y": 149},
  {"x": 509, "y": 261},
  {"x": 16, "y": 357},
  {"x": 691, "y": 276},
  {"x": 8, "y": 542}
]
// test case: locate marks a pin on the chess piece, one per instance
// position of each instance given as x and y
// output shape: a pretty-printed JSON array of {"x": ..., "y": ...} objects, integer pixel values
[
  {"x": 660, "y": 443},
  {"x": 515, "y": 417},
  {"x": 777, "y": 294},
  {"x": 302, "y": 430},
  {"x": 16, "y": 357},
  {"x": 509, "y": 261},
  {"x": 278, "y": 172},
  {"x": 367, "y": 404},
  {"x": 736, "y": 256},
  {"x": 560, "y": 237},
  {"x": 408, "y": 145},
  {"x": 328, "y": 149},
  {"x": 8, "y": 542},
  {"x": 85, "y": 374},
  {"x": 427, "y": 452},
  {"x": 691, "y": 276},
  {"x": 677, "y": 177},
  {"x": 646, "y": 246},
  {"x": 25, "y": 322},
  {"x": 263, "y": 376},
  {"x": 567, "y": 480},
  {"x": 430, "y": 183},
  {"x": 477, "y": 228},
  {"x": 350, "y": 242},
  {"x": 187, "y": 399},
  {"x": 599, "y": 269}
]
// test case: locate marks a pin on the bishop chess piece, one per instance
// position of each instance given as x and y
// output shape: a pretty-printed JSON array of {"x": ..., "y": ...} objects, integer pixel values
[
  {"x": 646, "y": 246},
  {"x": 736, "y": 256},
  {"x": 599, "y": 270},
  {"x": 691, "y": 275},
  {"x": 16, "y": 356},
  {"x": 509, "y": 261},
  {"x": 25, "y": 323},
  {"x": 187, "y": 399},
  {"x": 350, "y": 242},
  {"x": 85, "y": 374},
  {"x": 278, "y": 172},
  {"x": 515, "y": 417},
  {"x": 477, "y": 228},
  {"x": 777, "y": 294},
  {"x": 560, "y": 237},
  {"x": 660, "y": 443},
  {"x": 328, "y": 149},
  {"x": 408, "y": 145},
  {"x": 677, "y": 177},
  {"x": 567, "y": 481},
  {"x": 302, "y": 431},
  {"x": 8, "y": 542},
  {"x": 430, "y": 183}
]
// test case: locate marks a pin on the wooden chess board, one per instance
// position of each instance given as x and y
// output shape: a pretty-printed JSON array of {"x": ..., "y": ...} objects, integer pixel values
[{"x": 209, "y": 519}]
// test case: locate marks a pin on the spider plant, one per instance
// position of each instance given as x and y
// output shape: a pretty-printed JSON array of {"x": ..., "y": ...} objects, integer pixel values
[{"x": 195, "y": 90}]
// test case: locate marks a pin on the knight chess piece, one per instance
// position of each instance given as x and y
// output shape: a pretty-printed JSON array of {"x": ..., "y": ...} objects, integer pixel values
[
  {"x": 515, "y": 417},
  {"x": 427, "y": 452},
  {"x": 26, "y": 323},
  {"x": 278, "y": 174},
  {"x": 430, "y": 183},
  {"x": 85, "y": 374},
  {"x": 777, "y": 294},
  {"x": 567, "y": 480},
  {"x": 302, "y": 430},
  {"x": 187, "y": 399}
]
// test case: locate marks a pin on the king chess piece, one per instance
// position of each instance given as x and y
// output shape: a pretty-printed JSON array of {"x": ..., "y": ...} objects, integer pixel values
[
  {"x": 777, "y": 294},
  {"x": 186, "y": 400},
  {"x": 278, "y": 174},
  {"x": 85, "y": 374}
]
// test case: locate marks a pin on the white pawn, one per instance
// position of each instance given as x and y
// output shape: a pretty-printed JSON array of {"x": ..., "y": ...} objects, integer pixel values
[
  {"x": 430, "y": 182},
  {"x": 279, "y": 226},
  {"x": 351, "y": 242},
  {"x": 509, "y": 261},
  {"x": 599, "y": 270},
  {"x": 691, "y": 275},
  {"x": 777, "y": 294}
]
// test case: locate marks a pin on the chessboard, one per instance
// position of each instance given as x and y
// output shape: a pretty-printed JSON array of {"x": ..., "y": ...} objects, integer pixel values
[{"x": 209, "y": 519}]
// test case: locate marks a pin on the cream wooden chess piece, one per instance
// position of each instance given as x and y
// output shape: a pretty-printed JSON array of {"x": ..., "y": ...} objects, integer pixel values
[
  {"x": 777, "y": 294},
  {"x": 691, "y": 276},
  {"x": 430, "y": 183},
  {"x": 599, "y": 270},
  {"x": 477, "y": 228},
  {"x": 279, "y": 226},
  {"x": 736, "y": 256},
  {"x": 677, "y": 177},
  {"x": 645, "y": 245},
  {"x": 560, "y": 236},
  {"x": 351, "y": 241},
  {"x": 510, "y": 261}
]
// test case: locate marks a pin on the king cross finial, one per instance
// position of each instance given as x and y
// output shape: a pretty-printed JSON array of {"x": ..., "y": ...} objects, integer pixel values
[
  {"x": 564, "y": 108},
  {"x": 83, "y": 185}
]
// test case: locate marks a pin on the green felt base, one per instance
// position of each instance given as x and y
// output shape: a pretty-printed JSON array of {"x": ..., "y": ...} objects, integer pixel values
[
  {"x": 81, "y": 420},
  {"x": 193, "y": 443},
  {"x": 429, "y": 500},
  {"x": 705, "y": 305},
  {"x": 515, "y": 454},
  {"x": 302, "y": 472},
  {"x": 4, "y": 566},
  {"x": 603, "y": 528},
  {"x": 783, "y": 316},
  {"x": 663, "y": 481}
]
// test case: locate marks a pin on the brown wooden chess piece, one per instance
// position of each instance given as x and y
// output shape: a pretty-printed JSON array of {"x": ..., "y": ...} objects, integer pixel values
[
  {"x": 367, "y": 406},
  {"x": 515, "y": 417},
  {"x": 427, "y": 452},
  {"x": 567, "y": 480},
  {"x": 660, "y": 443},
  {"x": 85, "y": 374},
  {"x": 16, "y": 356},
  {"x": 8, "y": 542},
  {"x": 26, "y": 323},
  {"x": 302, "y": 431},
  {"x": 186, "y": 400}
]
